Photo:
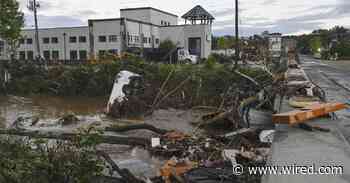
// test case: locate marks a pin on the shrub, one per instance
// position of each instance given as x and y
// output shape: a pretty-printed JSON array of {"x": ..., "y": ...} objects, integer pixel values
[{"x": 39, "y": 161}]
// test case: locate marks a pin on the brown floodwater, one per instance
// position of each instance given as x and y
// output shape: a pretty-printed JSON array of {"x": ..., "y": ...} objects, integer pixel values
[{"x": 90, "y": 110}]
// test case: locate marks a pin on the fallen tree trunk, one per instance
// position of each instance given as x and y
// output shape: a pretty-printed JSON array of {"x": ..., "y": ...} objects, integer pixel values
[
  {"x": 124, "y": 173},
  {"x": 220, "y": 116},
  {"x": 126, "y": 128},
  {"x": 132, "y": 141}
]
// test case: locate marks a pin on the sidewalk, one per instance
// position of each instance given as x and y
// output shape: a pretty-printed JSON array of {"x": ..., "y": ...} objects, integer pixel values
[{"x": 294, "y": 146}]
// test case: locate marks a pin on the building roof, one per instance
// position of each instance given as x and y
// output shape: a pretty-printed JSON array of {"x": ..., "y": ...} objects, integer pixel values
[
  {"x": 149, "y": 8},
  {"x": 119, "y": 19},
  {"x": 53, "y": 28},
  {"x": 198, "y": 13}
]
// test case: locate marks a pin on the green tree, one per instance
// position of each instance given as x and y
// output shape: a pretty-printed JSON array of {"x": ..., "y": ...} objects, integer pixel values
[
  {"x": 222, "y": 43},
  {"x": 11, "y": 22},
  {"x": 167, "y": 45},
  {"x": 316, "y": 44}
]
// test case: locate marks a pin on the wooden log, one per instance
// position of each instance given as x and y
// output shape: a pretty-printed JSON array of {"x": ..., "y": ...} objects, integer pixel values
[
  {"x": 126, "y": 128},
  {"x": 307, "y": 113},
  {"x": 124, "y": 173},
  {"x": 132, "y": 141},
  {"x": 218, "y": 117},
  {"x": 240, "y": 132}
]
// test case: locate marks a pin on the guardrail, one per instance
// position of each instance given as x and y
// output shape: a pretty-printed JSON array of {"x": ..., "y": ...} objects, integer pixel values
[{"x": 49, "y": 62}]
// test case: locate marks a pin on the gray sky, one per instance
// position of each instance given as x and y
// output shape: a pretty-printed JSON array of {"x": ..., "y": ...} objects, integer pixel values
[{"x": 287, "y": 17}]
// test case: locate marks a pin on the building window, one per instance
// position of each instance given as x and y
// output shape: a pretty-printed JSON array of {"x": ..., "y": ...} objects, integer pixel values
[
  {"x": 29, "y": 41},
  {"x": 113, "y": 38},
  {"x": 30, "y": 55},
  {"x": 82, "y": 39},
  {"x": 157, "y": 41},
  {"x": 83, "y": 55},
  {"x": 74, "y": 55},
  {"x": 149, "y": 40},
  {"x": 137, "y": 39},
  {"x": 55, "y": 55},
  {"x": 144, "y": 40},
  {"x": 54, "y": 40},
  {"x": 21, "y": 41},
  {"x": 22, "y": 55},
  {"x": 72, "y": 39},
  {"x": 102, "y": 39},
  {"x": 47, "y": 55},
  {"x": 46, "y": 40}
]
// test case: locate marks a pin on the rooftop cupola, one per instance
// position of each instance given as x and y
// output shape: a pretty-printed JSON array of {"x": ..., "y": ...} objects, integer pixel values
[{"x": 198, "y": 14}]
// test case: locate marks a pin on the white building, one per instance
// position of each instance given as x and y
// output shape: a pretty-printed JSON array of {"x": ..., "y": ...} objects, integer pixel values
[{"x": 143, "y": 28}]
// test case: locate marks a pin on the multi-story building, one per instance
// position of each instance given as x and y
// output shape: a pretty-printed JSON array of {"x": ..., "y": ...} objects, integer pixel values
[{"x": 143, "y": 28}]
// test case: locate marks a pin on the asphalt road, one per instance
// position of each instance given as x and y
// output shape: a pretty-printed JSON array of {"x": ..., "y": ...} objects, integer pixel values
[
  {"x": 334, "y": 78},
  {"x": 294, "y": 146}
]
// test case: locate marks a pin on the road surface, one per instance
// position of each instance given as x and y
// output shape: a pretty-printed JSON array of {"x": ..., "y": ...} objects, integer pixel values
[{"x": 296, "y": 147}]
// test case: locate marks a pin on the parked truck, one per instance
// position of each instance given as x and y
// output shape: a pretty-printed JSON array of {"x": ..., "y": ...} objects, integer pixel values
[{"x": 185, "y": 56}]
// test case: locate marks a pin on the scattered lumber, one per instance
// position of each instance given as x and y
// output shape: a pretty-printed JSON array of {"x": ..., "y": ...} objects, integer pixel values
[
  {"x": 307, "y": 113},
  {"x": 240, "y": 132},
  {"x": 215, "y": 117},
  {"x": 133, "y": 141}
]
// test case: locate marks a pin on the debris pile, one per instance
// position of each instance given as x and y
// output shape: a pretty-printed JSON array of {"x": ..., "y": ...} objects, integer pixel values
[{"x": 125, "y": 98}]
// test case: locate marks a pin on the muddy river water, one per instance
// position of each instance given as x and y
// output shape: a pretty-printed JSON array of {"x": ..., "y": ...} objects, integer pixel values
[{"x": 90, "y": 110}]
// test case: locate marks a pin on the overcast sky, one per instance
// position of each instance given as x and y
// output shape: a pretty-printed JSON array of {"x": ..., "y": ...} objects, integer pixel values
[{"x": 285, "y": 16}]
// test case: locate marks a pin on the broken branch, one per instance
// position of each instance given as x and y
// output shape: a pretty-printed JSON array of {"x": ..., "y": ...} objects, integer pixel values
[
  {"x": 133, "y": 141},
  {"x": 125, "y": 128}
]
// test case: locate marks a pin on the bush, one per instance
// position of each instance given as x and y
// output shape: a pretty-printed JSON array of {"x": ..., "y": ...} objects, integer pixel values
[
  {"x": 204, "y": 86},
  {"x": 222, "y": 59},
  {"x": 38, "y": 161},
  {"x": 210, "y": 62}
]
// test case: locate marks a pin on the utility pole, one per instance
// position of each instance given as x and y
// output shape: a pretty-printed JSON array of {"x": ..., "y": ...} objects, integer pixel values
[
  {"x": 65, "y": 47},
  {"x": 33, "y": 5},
  {"x": 237, "y": 37}
]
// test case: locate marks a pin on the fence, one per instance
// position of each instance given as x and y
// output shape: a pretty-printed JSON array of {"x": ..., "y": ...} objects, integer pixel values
[{"x": 48, "y": 62}]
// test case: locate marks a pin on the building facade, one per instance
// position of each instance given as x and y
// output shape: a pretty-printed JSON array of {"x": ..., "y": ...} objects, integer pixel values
[{"x": 143, "y": 28}]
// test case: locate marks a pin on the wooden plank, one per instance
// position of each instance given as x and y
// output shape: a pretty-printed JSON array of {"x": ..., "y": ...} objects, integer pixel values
[{"x": 311, "y": 112}]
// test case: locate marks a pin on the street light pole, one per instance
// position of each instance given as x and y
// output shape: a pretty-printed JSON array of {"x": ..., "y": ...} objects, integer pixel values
[
  {"x": 64, "y": 46},
  {"x": 36, "y": 29},
  {"x": 237, "y": 37},
  {"x": 33, "y": 5}
]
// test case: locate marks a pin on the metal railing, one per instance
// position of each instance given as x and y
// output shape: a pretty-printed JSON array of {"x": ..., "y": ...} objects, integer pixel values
[{"x": 49, "y": 62}]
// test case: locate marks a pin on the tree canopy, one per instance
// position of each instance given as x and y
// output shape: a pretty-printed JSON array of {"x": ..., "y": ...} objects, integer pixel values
[{"x": 11, "y": 22}]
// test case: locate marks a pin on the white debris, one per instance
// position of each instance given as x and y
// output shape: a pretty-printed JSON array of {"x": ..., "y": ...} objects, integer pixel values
[
  {"x": 230, "y": 154},
  {"x": 122, "y": 79},
  {"x": 155, "y": 142},
  {"x": 267, "y": 136},
  {"x": 7, "y": 76}
]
